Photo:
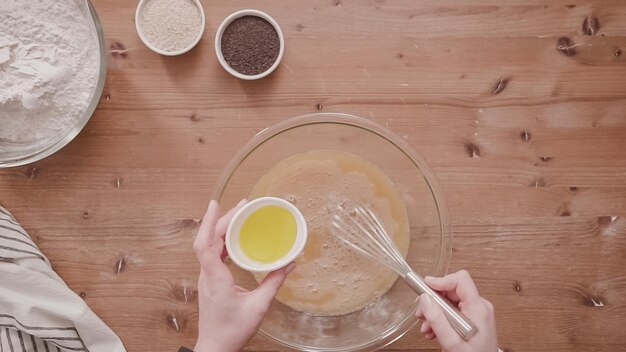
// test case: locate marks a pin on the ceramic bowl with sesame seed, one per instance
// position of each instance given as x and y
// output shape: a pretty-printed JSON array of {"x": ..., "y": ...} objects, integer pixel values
[{"x": 170, "y": 27}]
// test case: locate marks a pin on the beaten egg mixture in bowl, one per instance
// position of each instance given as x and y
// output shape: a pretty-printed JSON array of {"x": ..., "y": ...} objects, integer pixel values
[{"x": 336, "y": 299}]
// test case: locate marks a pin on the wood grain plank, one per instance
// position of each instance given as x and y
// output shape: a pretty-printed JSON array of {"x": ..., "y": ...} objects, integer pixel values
[{"x": 527, "y": 141}]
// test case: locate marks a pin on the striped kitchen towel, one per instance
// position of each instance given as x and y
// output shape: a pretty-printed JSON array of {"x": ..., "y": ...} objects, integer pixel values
[{"x": 38, "y": 312}]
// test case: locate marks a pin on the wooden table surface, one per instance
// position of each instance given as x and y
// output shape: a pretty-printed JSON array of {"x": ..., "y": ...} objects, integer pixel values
[{"x": 519, "y": 107}]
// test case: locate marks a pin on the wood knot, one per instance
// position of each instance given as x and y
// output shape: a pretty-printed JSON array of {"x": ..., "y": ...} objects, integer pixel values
[
  {"x": 118, "y": 49},
  {"x": 538, "y": 182},
  {"x": 188, "y": 223},
  {"x": 517, "y": 286},
  {"x": 545, "y": 159},
  {"x": 617, "y": 52},
  {"x": 319, "y": 107},
  {"x": 201, "y": 140},
  {"x": 500, "y": 85},
  {"x": 85, "y": 215},
  {"x": 573, "y": 188},
  {"x": 605, "y": 222},
  {"x": 564, "y": 210},
  {"x": 472, "y": 150},
  {"x": 184, "y": 293},
  {"x": 570, "y": 6},
  {"x": 299, "y": 27},
  {"x": 82, "y": 294},
  {"x": 400, "y": 56},
  {"x": 338, "y": 3},
  {"x": 194, "y": 117},
  {"x": 175, "y": 320},
  {"x": 609, "y": 226},
  {"x": 591, "y": 300},
  {"x": 525, "y": 136},
  {"x": 591, "y": 25},
  {"x": 566, "y": 46},
  {"x": 120, "y": 265},
  {"x": 32, "y": 172},
  {"x": 117, "y": 182}
]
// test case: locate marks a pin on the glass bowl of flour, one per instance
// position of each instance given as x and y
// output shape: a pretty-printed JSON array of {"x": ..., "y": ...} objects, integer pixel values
[{"x": 52, "y": 72}]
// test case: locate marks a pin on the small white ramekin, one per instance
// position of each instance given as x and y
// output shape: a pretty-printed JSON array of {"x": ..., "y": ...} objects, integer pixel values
[
  {"x": 228, "y": 20},
  {"x": 232, "y": 235},
  {"x": 163, "y": 52}
]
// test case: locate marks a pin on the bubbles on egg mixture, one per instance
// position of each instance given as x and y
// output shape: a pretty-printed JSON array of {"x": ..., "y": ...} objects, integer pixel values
[{"x": 331, "y": 278}]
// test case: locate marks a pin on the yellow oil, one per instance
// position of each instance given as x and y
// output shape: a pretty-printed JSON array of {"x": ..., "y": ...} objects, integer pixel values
[{"x": 268, "y": 234}]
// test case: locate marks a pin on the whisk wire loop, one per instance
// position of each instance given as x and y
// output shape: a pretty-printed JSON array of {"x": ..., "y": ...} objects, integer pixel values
[
  {"x": 363, "y": 231},
  {"x": 383, "y": 240},
  {"x": 350, "y": 238}
]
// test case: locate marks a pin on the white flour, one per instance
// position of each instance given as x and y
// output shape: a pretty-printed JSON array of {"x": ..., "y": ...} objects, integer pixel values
[{"x": 48, "y": 67}]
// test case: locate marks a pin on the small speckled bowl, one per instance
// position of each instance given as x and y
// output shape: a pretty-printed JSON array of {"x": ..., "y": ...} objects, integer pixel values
[
  {"x": 163, "y": 52},
  {"x": 218, "y": 42}
]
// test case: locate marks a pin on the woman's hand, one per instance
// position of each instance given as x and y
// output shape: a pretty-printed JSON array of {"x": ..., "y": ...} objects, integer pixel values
[
  {"x": 229, "y": 315},
  {"x": 459, "y": 289}
]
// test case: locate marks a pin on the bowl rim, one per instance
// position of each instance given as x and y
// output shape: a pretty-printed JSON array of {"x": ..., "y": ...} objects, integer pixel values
[
  {"x": 87, "y": 114},
  {"x": 147, "y": 43},
  {"x": 395, "y": 332},
  {"x": 220, "y": 32}
]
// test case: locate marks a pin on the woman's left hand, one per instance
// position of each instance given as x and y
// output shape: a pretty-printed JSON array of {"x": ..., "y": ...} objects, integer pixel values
[{"x": 229, "y": 315}]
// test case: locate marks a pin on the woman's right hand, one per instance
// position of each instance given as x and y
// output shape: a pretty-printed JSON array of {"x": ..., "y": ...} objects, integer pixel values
[{"x": 459, "y": 289}]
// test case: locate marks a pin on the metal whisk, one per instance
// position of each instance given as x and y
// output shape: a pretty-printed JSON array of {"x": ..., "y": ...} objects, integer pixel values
[{"x": 363, "y": 231}]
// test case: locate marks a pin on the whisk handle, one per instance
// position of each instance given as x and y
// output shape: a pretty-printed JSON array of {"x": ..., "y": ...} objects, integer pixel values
[{"x": 459, "y": 322}]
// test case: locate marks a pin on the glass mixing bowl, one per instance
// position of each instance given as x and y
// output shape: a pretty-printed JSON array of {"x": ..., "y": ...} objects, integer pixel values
[
  {"x": 383, "y": 322},
  {"x": 17, "y": 154}
]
